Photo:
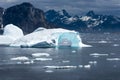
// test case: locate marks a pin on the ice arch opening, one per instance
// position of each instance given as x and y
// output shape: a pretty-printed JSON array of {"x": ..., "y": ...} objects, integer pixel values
[{"x": 69, "y": 39}]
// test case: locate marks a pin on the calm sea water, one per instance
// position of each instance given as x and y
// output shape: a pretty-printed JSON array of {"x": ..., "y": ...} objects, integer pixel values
[{"x": 99, "y": 62}]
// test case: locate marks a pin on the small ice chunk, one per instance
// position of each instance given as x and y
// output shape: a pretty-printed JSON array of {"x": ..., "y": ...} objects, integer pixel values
[
  {"x": 87, "y": 66},
  {"x": 115, "y": 45},
  {"x": 19, "y": 62},
  {"x": 113, "y": 59},
  {"x": 27, "y": 62},
  {"x": 22, "y": 58},
  {"x": 48, "y": 71},
  {"x": 97, "y": 54},
  {"x": 73, "y": 51},
  {"x": 66, "y": 61},
  {"x": 40, "y": 54},
  {"x": 102, "y": 42},
  {"x": 32, "y": 61},
  {"x": 92, "y": 62},
  {"x": 80, "y": 66},
  {"x": 43, "y": 59}
]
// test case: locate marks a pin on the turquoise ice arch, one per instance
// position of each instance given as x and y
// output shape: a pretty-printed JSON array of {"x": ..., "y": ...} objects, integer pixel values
[{"x": 69, "y": 39}]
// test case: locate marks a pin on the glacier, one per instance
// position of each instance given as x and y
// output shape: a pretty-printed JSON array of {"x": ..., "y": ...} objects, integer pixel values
[{"x": 41, "y": 38}]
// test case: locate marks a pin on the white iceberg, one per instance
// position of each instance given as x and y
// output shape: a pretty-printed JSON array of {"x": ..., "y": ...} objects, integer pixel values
[
  {"x": 10, "y": 34},
  {"x": 50, "y": 38},
  {"x": 41, "y": 37}
]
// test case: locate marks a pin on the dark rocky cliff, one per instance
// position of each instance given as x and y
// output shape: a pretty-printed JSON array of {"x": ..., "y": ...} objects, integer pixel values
[
  {"x": 25, "y": 16},
  {"x": 1, "y": 14}
]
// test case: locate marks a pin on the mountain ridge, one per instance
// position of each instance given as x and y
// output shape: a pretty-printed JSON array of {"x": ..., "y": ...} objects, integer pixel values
[
  {"x": 29, "y": 18},
  {"x": 89, "y": 22}
]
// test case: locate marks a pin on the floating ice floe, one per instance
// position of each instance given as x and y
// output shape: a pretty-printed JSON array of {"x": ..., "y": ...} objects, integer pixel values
[
  {"x": 40, "y": 54},
  {"x": 19, "y": 62},
  {"x": 92, "y": 62},
  {"x": 80, "y": 66},
  {"x": 97, "y": 54},
  {"x": 60, "y": 67},
  {"x": 66, "y": 61},
  {"x": 49, "y": 71},
  {"x": 103, "y": 41},
  {"x": 29, "y": 62},
  {"x": 24, "y": 62},
  {"x": 115, "y": 45},
  {"x": 22, "y": 58},
  {"x": 85, "y": 66},
  {"x": 113, "y": 59},
  {"x": 43, "y": 59},
  {"x": 74, "y": 51}
]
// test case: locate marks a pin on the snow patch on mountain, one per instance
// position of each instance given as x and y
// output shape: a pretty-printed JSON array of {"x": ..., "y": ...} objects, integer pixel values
[{"x": 85, "y": 18}]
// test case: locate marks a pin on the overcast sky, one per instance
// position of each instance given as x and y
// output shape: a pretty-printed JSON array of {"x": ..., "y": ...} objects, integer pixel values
[{"x": 72, "y": 6}]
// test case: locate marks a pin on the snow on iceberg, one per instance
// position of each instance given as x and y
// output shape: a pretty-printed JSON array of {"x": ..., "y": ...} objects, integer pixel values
[
  {"x": 50, "y": 38},
  {"x": 10, "y": 34},
  {"x": 13, "y": 31}
]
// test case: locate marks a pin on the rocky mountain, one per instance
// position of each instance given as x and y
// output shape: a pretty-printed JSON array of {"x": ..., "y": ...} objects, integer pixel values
[
  {"x": 64, "y": 20},
  {"x": 87, "y": 23},
  {"x": 1, "y": 14},
  {"x": 102, "y": 22},
  {"x": 25, "y": 16},
  {"x": 29, "y": 18},
  {"x": 1, "y": 20}
]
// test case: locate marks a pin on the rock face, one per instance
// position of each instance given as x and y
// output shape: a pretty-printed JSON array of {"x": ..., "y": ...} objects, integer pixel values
[
  {"x": 1, "y": 14},
  {"x": 25, "y": 16}
]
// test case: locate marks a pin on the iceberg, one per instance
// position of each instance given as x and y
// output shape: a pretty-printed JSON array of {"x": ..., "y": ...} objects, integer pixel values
[
  {"x": 50, "y": 38},
  {"x": 40, "y": 38},
  {"x": 10, "y": 34}
]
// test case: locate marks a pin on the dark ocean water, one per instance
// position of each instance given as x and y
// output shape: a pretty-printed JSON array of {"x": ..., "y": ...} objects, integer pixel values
[{"x": 99, "y": 62}]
